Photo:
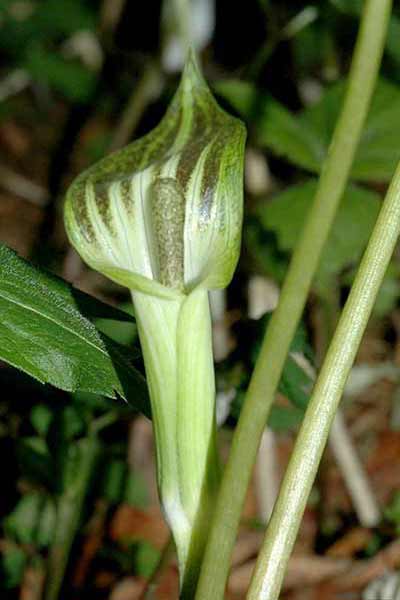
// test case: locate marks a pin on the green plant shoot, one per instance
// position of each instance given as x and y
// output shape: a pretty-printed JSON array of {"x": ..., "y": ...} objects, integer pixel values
[{"x": 163, "y": 217}]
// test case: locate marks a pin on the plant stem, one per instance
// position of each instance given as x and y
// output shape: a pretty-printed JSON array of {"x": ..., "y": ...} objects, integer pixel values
[
  {"x": 303, "y": 19},
  {"x": 100, "y": 423},
  {"x": 282, "y": 530},
  {"x": 146, "y": 89},
  {"x": 351, "y": 468},
  {"x": 285, "y": 319},
  {"x": 182, "y": 16},
  {"x": 69, "y": 511},
  {"x": 176, "y": 342}
]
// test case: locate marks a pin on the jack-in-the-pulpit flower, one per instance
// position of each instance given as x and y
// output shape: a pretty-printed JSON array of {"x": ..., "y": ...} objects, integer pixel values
[{"x": 163, "y": 217}]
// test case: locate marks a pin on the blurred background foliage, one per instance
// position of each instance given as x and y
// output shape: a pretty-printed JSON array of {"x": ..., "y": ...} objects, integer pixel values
[{"x": 80, "y": 78}]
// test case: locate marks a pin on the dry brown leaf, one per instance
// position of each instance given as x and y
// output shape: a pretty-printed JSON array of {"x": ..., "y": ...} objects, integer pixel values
[
  {"x": 246, "y": 547},
  {"x": 351, "y": 543},
  {"x": 32, "y": 584},
  {"x": 383, "y": 465},
  {"x": 131, "y": 524},
  {"x": 92, "y": 543},
  {"x": 13, "y": 139},
  {"x": 365, "y": 571},
  {"x": 169, "y": 584},
  {"x": 302, "y": 571},
  {"x": 129, "y": 588},
  {"x": 19, "y": 222}
]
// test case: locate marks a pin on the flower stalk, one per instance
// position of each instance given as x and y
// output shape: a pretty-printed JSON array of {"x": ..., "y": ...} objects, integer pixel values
[
  {"x": 311, "y": 441},
  {"x": 176, "y": 343},
  {"x": 163, "y": 217}
]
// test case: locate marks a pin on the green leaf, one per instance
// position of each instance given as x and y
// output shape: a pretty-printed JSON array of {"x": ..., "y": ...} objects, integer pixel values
[
  {"x": 69, "y": 77},
  {"x": 295, "y": 383},
  {"x": 350, "y": 7},
  {"x": 35, "y": 460},
  {"x": 122, "y": 333},
  {"x": 304, "y": 139},
  {"x": 379, "y": 150},
  {"x": 393, "y": 39},
  {"x": 88, "y": 404},
  {"x": 41, "y": 417},
  {"x": 44, "y": 333},
  {"x": 354, "y": 9},
  {"x": 282, "y": 418},
  {"x": 70, "y": 423},
  {"x": 12, "y": 566},
  {"x": 55, "y": 17},
  {"x": 33, "y": 520},
  {"x": 49, "y": 22},
  {"x": 392, "y": 511},
  {"x": 136, "y": 492},
  {"x": 274, "y": 126},
  {"x": 146, "y": 559},
  {"x": 286, "y": 213},
  {"x": 389, "y": 292},
  {"x": 114, "y": 480},
  {"x": 21, "y": 524},
  {"x": 46, "y": 523},
  {"x": 262, "y": 249}
]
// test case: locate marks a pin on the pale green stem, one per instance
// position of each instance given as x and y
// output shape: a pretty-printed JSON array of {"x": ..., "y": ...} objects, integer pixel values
[
  {"x": 144, "y": 91},
  {"x": 286, "y": 518},
  {"x": 182, "y": 15},
  {"x": 177, "y": 348},
  {"x": 285, "y": 319}
]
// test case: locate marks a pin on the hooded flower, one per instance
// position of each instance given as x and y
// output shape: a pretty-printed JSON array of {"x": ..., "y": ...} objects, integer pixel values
[
  {"x": 163, "y": 217},
  {"x": 164, "y": 214}
]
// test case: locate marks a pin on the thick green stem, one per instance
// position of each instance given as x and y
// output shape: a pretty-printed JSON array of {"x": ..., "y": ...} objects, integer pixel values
[
  {"x": 177, "y": 349},
  {"x": 285, "y": 319},
  {"x": 311, "y": 441},
  {"x": 69, "y": 512}
]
